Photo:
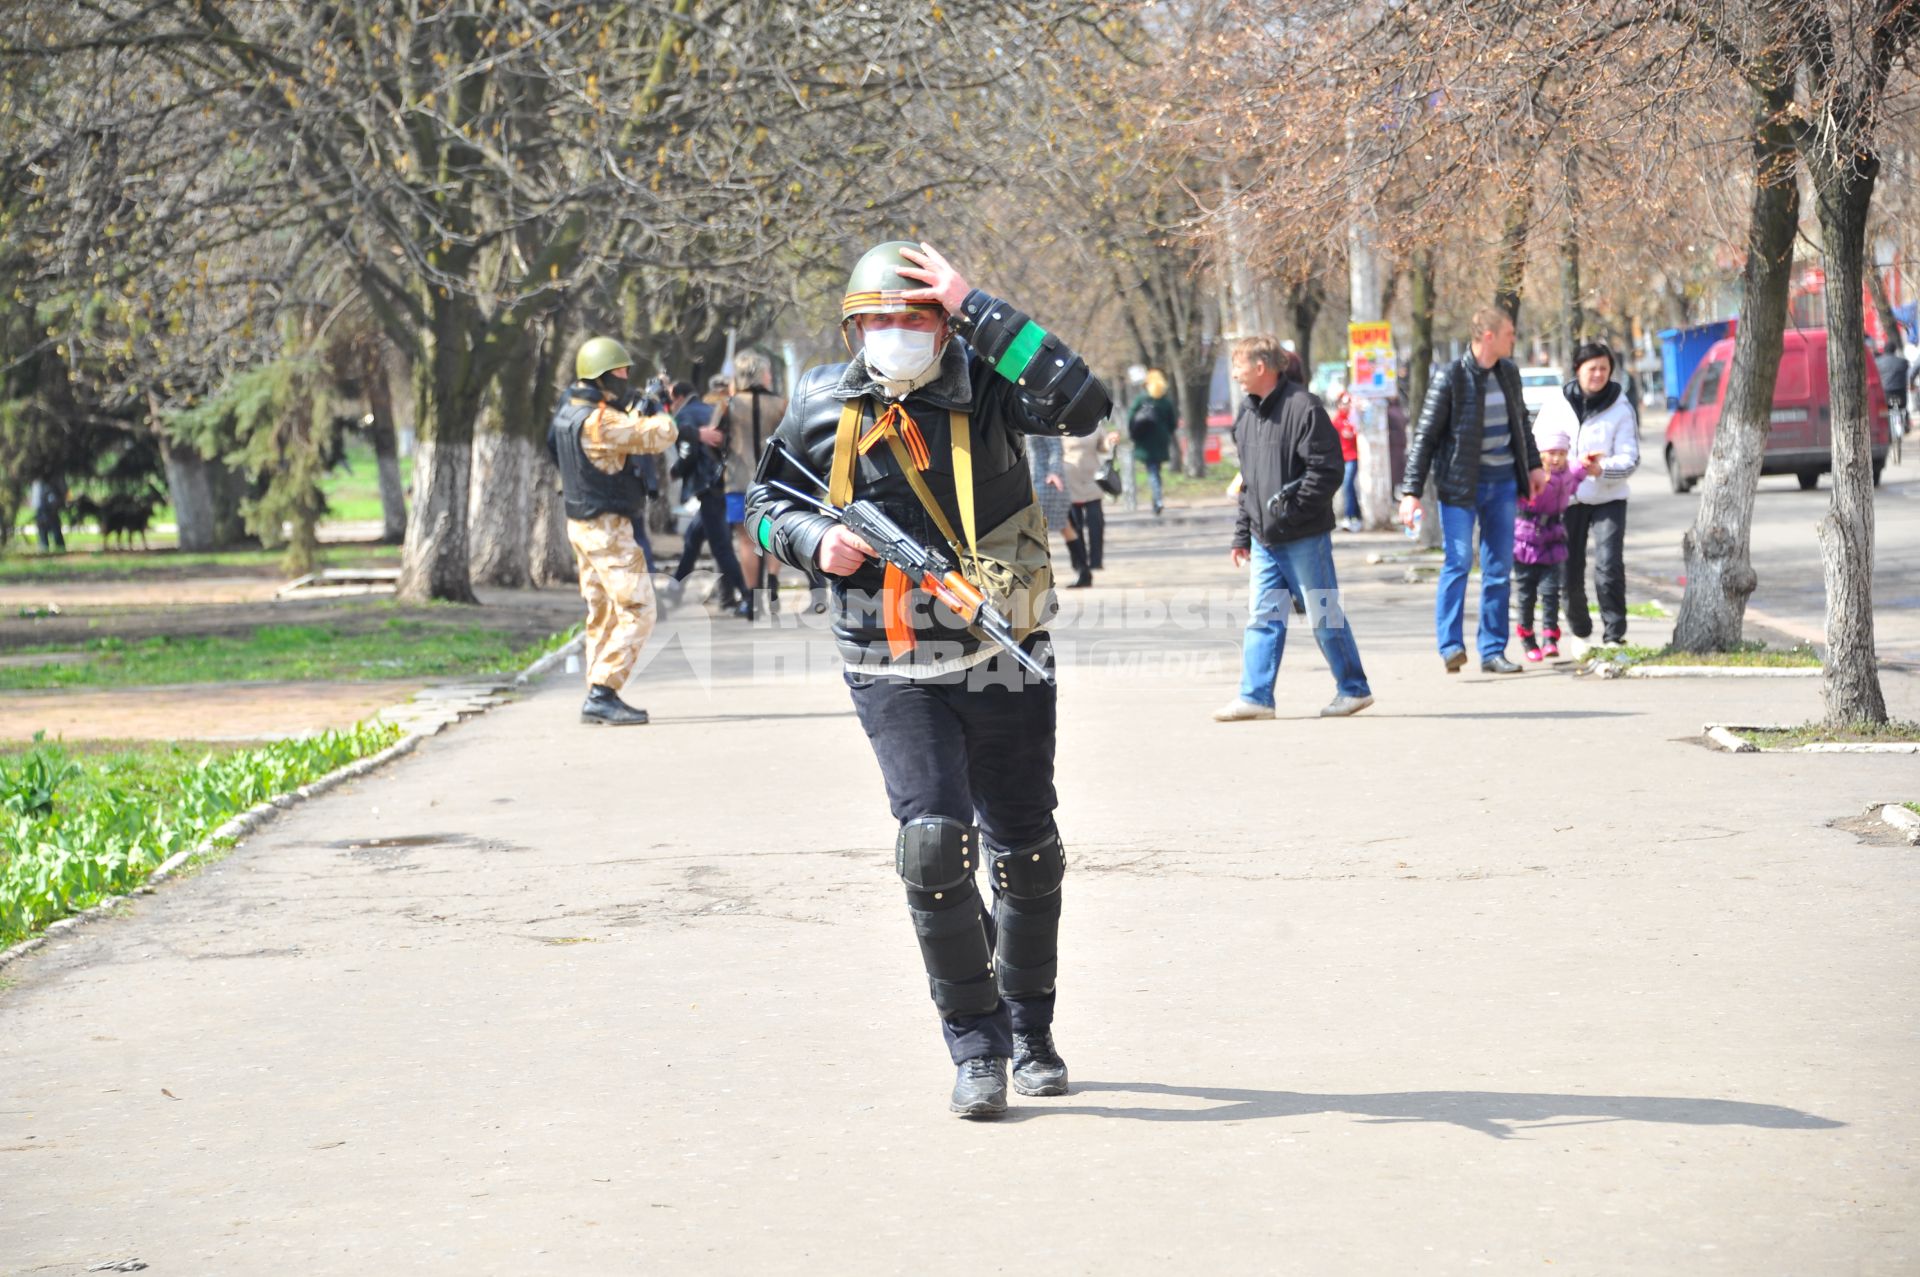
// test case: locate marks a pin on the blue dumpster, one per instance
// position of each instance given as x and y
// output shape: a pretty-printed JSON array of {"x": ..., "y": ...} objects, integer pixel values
[{"x": 1681, "y": 350}]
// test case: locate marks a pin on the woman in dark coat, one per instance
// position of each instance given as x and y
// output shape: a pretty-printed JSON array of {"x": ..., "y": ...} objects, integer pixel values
[{"x": 1151, "y": 422}]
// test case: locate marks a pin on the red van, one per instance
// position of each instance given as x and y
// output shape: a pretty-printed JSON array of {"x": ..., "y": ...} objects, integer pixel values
[{"x": 1801, "y": 441}]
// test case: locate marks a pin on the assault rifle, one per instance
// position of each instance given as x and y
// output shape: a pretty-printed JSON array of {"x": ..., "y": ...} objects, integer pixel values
[{"x": 924, "y": 565}]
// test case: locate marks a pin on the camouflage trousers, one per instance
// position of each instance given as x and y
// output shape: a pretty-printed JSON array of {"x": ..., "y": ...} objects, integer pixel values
[{"x": 619, "y": 595}]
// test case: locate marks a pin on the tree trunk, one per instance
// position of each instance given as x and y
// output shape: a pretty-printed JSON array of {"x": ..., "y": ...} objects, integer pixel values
[
  {"x": 1305, "y": 306},
  {"x": 393, "y": 497},
  {"x": 206, "y": 495},
  {"x": 1843, "y": 187},
  {"x": 1720, "y": 576},
  {"x": 1193, "y": 375},
  {"x": 1572, "y": 319},
  {"x": 446, "y": 394},
  {"x": 550, "y": 558},
  {"x": 1414, "y": 396},
  {"x": 500, "y": 509},
  {"x": 499, "y": 502},
  {"x": 1513, "y": 252}
]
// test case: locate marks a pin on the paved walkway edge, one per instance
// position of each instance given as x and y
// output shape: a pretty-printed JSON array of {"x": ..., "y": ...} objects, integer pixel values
[
  {"x": 1902, "y": 821},
  {"x": 251, "y": 819},
  {"x": 571, "y": 647}
]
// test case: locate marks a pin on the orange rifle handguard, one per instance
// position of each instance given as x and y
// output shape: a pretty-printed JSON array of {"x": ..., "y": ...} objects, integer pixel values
[{"x": 957, "y": 593}]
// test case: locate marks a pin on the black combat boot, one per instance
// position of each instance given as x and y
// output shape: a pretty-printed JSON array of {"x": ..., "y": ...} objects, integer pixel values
[
  {"x": 1077, "y": 551},
  {"x": 980, "y": 1087},
  {"x": 1037, "y": 1067},
  {"x": 605, "y": 708}
]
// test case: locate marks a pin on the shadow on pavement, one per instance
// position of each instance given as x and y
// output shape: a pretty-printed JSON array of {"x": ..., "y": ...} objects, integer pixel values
[
  {"x": 1501, "y": 1114},
  {"x": 677, "y": 721}
]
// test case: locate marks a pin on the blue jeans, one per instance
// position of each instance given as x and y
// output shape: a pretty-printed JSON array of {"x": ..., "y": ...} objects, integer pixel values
[
  {"x": 1351, "y": 482},
  {"x": 1302, "y": 569},
  {"x": 1153, "y": 484},
  {"x": 1493, "y": 507}
]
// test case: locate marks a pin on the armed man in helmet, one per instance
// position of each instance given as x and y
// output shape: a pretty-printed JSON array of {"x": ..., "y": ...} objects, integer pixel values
[
  {"x": 594, "y": 432},
  {"x": 928, "y": 421}
]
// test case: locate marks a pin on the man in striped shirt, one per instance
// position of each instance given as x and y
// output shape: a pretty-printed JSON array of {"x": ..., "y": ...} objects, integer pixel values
[{"x": 1473, "y": 438}]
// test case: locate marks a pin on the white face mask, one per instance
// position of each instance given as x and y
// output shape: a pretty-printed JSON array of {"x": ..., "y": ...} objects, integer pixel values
[{"x": 899, "y": 354}]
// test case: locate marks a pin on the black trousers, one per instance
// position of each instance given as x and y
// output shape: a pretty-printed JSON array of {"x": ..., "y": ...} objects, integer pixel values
[
  {"x": 711, "y": 527},
  {"x": 1089, "y": 519},
  {"x": 975, "y": 747},
  {"x": 1538, "y": 581},
  {"x": 641, "y": 539},
  {"x": 1608, "y": 525},
  {"x": 51, "y": 535}
]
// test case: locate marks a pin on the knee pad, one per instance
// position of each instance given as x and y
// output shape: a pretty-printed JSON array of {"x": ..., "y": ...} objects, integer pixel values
[
  {"x": 1026, "y": 916},
  {"x": 1031, "y": 871},
  {"x": 936, "y": 857},
  {"x": 936, "y": 854}
]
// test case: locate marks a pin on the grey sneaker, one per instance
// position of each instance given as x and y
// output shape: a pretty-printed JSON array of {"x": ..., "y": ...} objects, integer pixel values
[
  {"x": 1343, "y": 706},
  {"x": 1239, "y": 711},
  {"x": 980, "y": 1087},
  {"x": 1037, "y": 1067}
]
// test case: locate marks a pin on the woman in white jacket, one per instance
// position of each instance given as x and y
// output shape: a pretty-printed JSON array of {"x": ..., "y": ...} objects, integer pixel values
[{"x": 1601, "y": 423}]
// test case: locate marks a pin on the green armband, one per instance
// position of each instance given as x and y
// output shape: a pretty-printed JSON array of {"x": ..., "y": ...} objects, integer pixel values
[
  {"x": 766, "y": 534},
  {"x": 1013, "y": 364}
]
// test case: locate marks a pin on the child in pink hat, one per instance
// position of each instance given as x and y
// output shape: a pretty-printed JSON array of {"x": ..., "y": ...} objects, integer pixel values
[{"x": 1540, "y": 544}]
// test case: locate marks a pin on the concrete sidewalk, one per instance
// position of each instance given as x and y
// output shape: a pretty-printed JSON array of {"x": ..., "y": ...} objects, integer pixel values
[{"x": 1502, "y": 974}]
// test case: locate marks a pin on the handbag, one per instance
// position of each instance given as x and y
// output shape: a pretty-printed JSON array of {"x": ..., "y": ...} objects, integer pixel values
[{"x": 1107, "y": 479}]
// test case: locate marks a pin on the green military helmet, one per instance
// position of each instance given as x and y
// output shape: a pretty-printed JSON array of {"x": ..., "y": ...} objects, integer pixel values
[
  {"x": 875, "y": 286},
  {"x": 599, "y": 356}
]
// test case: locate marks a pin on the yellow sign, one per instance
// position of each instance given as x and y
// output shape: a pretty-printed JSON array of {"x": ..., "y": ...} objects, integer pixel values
[{"x": 1371, "y": 369}]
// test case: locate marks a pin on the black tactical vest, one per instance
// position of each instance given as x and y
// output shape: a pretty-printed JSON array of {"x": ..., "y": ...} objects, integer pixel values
[{"x": 590, "y": 491}]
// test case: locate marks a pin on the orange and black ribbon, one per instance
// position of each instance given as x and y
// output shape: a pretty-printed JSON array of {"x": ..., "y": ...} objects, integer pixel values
[{"x": 895, "y": 421}]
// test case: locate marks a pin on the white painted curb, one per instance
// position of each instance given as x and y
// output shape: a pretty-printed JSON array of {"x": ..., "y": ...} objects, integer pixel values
[
  {"x": 572, "y": 647},
  {"x": 1717, "y": 671},
  {"x": 1904, "y": 822},
  {"x": 1727, "y": 737},
  {"x": 237, "y": 827},
  {"x": 1728, "y": 741}
]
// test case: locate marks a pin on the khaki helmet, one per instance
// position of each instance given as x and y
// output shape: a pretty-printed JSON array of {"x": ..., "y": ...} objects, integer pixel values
[
  {"x": 875, "y": 286},
  {"x": 599, "y": 356}
]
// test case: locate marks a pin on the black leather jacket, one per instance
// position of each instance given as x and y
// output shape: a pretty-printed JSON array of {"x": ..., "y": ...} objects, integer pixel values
[
  {"x": 1045, "y": 390},
  {"x": 1447, "y": 439}
]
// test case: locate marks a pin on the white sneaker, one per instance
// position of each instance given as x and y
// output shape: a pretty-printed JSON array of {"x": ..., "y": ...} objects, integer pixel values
[
  {"x": 1575, "y": 647},
  {"x": 1343, "y": 706},
  {"x": 1239, "y": 711}
]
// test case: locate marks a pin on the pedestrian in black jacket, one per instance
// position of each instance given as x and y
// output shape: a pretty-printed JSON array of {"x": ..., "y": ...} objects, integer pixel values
[
  {"x": 1290, "y": 471},
  {"x": 1475, "y": 438}
]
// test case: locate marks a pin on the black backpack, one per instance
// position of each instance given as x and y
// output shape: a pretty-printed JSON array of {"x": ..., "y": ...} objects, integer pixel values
[{"x": 1143, "y": 421}]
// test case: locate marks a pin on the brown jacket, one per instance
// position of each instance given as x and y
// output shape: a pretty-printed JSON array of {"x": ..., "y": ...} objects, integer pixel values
[{"x": 735, "y": 417}]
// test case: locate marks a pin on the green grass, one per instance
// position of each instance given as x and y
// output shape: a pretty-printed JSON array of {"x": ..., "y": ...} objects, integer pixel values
[
  {"x": 353, "y": 488},
  {"x": 16, "y": 566},
  {"x": 400, "y": 647},
  {"x": 1912, "y": 807},
  {"x": 1651, "y": 610},
  {"x": 75, "y": 828},
  {"x": 1820, "y": 734},
  {"x": 1753, "y": 655}
]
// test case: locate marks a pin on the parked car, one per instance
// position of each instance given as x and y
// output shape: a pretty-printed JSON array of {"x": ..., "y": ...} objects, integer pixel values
[
  {"x": 1539, "y": 386},
  {"x": 1800, "y": 441}
]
